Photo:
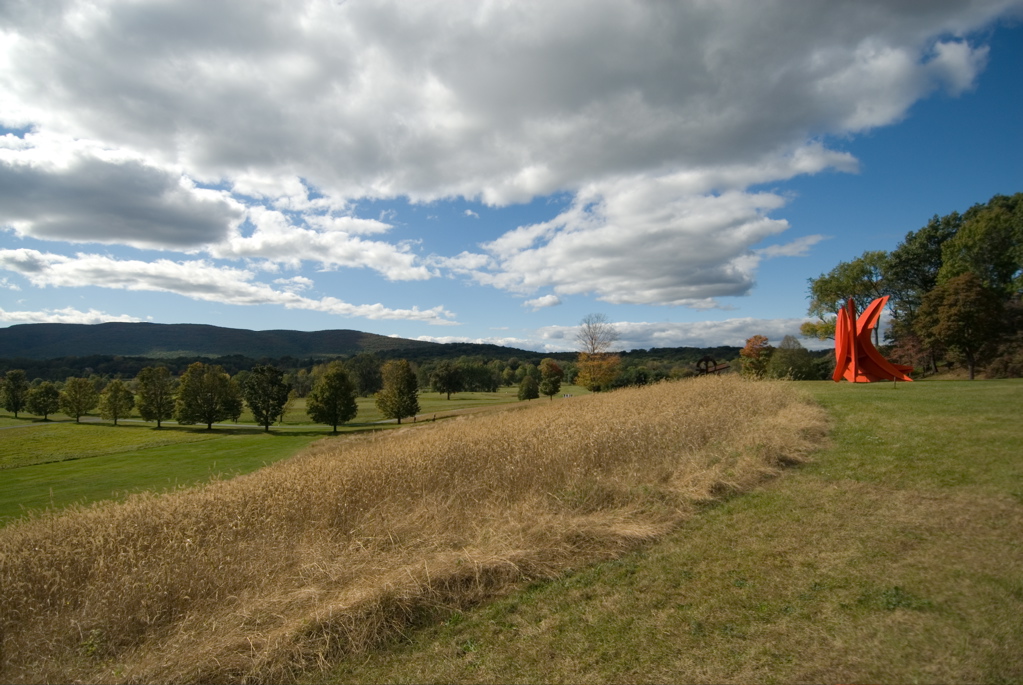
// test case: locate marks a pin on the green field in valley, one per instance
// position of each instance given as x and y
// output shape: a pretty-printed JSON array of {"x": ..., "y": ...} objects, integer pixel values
[{"x": 56, "y": 463}]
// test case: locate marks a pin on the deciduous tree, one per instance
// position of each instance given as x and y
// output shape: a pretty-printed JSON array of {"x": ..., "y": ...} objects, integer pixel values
[
  {"x": 596, "y": 334},
  {"x": 597, "y": 366},
  {"x": 155, "y": 399},
  {"x": 43, "y": 400},
  {"x": 964, "y": 316},
  {"x": 116, "y": 401},
  {"x": 364, "y": 371},
  {"x": 399, "y": 398},
  {"x": 266, "y": 394},
  {"x": 332, "y": 399},
  {"x": 206, "y": 394},
  {"x": 529, "y": 389},
  {"x": 862, "y": 279},
  {"x": 78, "y": 397},
  {"x": 15, "y": 391},
  {"x": 989, "y": 245},
  {"x": 792, "y": 361},
  {"x": 550, "y": 378},
  {"x": 914, "y": 264},
  {"x": 755, "y": 356},
  {"x": 597, "y": 372},
  {"x": 446, "y": 378}
]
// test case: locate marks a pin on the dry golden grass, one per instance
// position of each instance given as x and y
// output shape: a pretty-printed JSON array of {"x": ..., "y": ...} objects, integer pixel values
[{"x": 326, "y": 554}]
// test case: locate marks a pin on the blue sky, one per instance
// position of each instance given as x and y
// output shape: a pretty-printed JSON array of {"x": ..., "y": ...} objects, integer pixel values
[{"x": 486, "y": 171}]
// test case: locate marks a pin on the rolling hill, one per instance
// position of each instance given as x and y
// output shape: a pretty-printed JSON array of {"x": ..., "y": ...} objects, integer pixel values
[{"x": 154, "y": 340}]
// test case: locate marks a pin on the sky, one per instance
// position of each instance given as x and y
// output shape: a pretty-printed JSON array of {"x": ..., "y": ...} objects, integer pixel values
[{"x": 486, "y": 171}]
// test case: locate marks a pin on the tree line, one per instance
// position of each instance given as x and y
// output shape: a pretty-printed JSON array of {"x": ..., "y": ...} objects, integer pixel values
[
  {"x": 475, "y": 373},
  {"x": 954, "y": 289},
  {"x": 207, "y": 394}
]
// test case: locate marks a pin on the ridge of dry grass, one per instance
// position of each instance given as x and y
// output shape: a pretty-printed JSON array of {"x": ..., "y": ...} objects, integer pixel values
[{"x": 256, "y": 578}]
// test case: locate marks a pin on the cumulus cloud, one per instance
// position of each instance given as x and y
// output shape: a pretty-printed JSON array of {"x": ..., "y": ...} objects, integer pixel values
[
  {"x": 277, "y": 239},
  {"x": 65, "y": 315},
  {"x": 127, "y": 202},
  {"x": 656, "y": 117},
  {"x": 645, "y": 335},
  {"x": 502, "y": 101},
  {"x": 542, "y": 302},
  {"x": 195, "y": 279},
  {"x": 639, "y": 241}
]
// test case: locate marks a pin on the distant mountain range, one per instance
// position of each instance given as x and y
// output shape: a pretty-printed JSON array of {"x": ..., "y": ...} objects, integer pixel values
[{"x": 155, "y": 340}]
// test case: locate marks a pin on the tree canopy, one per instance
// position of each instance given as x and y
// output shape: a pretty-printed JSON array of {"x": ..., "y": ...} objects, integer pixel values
[
  {"x": 755, "y": 356},
  {"x": 206, "y": 394},
  {"x": 155, "y": 398},
  {"x": 43, "y": 400},
  {"x": 550, "y": 378},
  {"x": 14, "y": 391},
  {"x": 985, "y": 241},
  {"x": 78, "y": 398},
  {"x": 399, "y": 398},
  {"x": 963, "y": 316},
  {"x": 116, "y": 401},
  {"x": 446, "y": 378},
  {"x": 596, "y": 335},
  {"x": 332, "y": 399},
  {"x": 266, "y": 394}
]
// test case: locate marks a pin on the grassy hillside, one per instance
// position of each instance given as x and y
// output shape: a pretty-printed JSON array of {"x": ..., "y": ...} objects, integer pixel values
[
  {"x": 327, "y": 553},
  {"x": 894, "y": 557}
]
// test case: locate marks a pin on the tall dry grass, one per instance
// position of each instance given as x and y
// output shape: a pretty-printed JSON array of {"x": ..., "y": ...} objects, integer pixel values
[{"x": 327, "y": 553}]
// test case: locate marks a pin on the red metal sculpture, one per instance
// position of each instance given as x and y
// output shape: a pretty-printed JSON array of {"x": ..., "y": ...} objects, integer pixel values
[{"x": 857, "y": 360}]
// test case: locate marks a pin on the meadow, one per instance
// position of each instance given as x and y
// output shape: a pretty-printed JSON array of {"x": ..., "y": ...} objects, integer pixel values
[
  {"x": 641, "y": 536},
  {"x": 111, "y": 462},
  {"x": 894, "y": 556},
  {"x": 354, "y": 541}
]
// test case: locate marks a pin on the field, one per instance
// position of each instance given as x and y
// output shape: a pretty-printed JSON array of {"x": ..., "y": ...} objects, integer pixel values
[
  {"x": 327, "y": 553},
  {"x": 622, "y": 537},
  {"x": 110, "y": 462},
  {"x": 894, "y": 557}
]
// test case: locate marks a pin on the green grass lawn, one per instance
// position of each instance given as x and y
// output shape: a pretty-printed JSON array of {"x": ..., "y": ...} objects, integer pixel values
[
  {"x": 896, "y": 557},
  {"x": 48, "y": 442},
  {"x": 60, "y": 462},
  {"x": 219, "y": 453}
]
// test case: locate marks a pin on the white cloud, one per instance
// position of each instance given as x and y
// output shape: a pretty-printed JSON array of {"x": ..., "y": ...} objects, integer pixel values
[
  {"x": 657, "y": 117},
  {"x": 542, "y": 302},
  {"x": 799, "y": 247},
  {"x": 640, "y": 241},
  {"x": 65, "y": 315},
  {"x": 471, "y": 213},
  {"x": 86, "y": 198},
  {"x": 195, "y": 279},
  {"x": 645, "y": 335},
  {"x": 277, "y": 239},
  {"x": 501, "y": 101}
]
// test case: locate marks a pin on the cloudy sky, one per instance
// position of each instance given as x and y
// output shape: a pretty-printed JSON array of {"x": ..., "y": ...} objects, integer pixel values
[{"x": 486, "y": 171}]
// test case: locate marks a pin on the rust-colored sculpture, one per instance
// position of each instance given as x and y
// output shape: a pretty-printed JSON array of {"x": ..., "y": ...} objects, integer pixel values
[{"x": 857, "y": 360}]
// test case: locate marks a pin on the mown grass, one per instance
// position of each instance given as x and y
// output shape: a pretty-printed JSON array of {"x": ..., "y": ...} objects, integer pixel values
[
  {"x": 135, "y": 456},
  {"x": 114, "y": 475},
  {"x": 328, "y": 553},
  {"x": 894, "y": 557},
  {"x": 49, "y": 442}
]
